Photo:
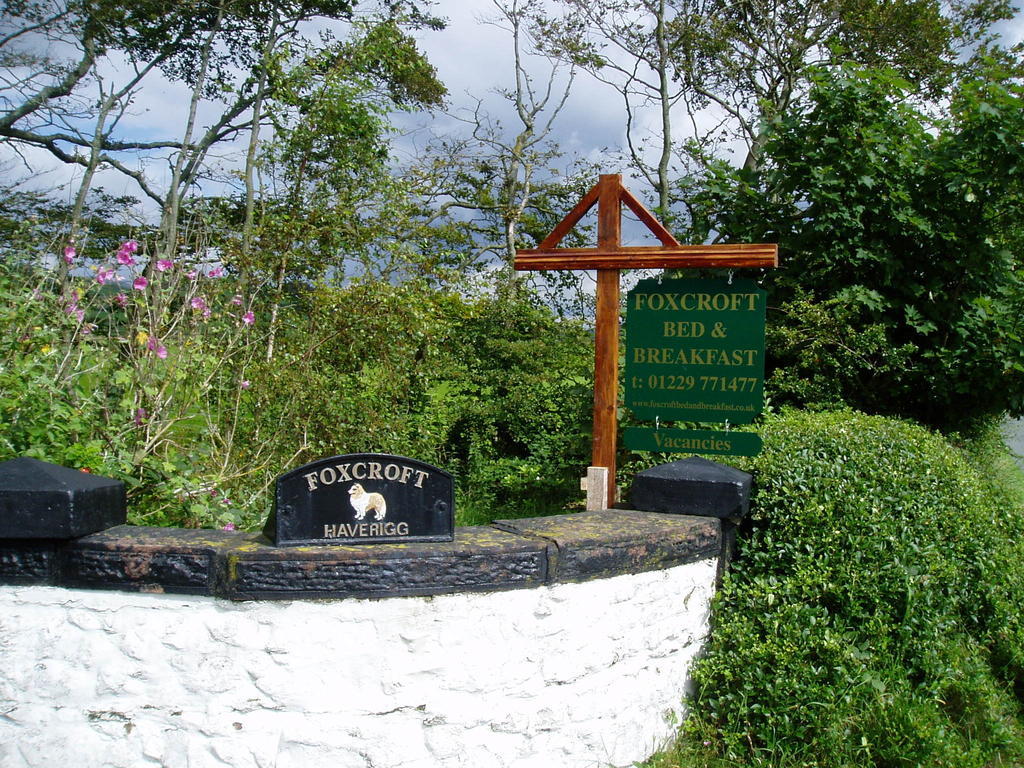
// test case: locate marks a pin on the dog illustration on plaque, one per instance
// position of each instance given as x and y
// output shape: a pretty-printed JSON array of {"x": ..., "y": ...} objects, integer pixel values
[{"x": 362, "y": 502}]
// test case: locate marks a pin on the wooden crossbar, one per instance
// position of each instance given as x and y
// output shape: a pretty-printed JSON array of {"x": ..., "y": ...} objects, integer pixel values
[{"x": 740, "y": 255}]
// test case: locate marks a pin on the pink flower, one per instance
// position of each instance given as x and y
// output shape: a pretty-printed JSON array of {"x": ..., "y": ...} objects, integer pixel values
[
  {"x": 215, "y": 272},
  {"x": 140, "y": 283},
  {"x": 140, "y": 416},
  {"x": 246, "y": 384},
  {"x": 154, "y": 345},
  {"x": 198, "y": 302},
  {"x": 124, "y": 253},
  {"x": 163, "y": 265},
  {"x": 192, "y": 274},
  {"x": 121, "y": 299},
  {"x": 104, "y": 275},
  {"x": 69, "y": 254},
  {"x": 249, "y": 318},
  {"x": 229, "y": 527},
  {"x": 237, "y": 299}
]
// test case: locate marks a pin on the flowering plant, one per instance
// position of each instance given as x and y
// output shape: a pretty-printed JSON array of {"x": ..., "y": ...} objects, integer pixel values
[{"x": 128, "y": 366}]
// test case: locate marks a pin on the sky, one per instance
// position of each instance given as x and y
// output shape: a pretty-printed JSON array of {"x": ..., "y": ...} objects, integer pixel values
[{"x": 474, "y": 58}]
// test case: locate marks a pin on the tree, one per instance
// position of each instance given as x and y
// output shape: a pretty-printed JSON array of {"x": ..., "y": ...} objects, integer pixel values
[
  {"x": 41, "y": 95},
  {"x": 736, "y": 66},
  {"x": 496, "y": 181},
  {"x": 227, "y": 53},
  {"x": 630, "y": 45},
  {"x": 750, "y": 59},
  {"x": 330, "y": 152},
  {"x": 257, "y": 37},
  {"x": 899, "y": 290}
]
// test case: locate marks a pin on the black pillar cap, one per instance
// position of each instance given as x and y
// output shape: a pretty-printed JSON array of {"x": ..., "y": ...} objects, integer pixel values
[
  {"x": 39, "y": 500},
  {"x": 693, "y": 486}
]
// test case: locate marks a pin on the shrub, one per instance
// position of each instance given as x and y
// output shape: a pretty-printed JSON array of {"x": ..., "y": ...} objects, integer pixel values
[
  {"x": 163, "y": 382},
  {"x": 518, "y": 386},
  {"x": 494, "y": 389},
  {"x": 873, "y": 615},
  {"x": 132, "y": 376}
]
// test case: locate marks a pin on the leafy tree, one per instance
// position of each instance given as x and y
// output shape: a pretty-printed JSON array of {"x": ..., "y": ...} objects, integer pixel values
[
  {"x": 232, "y": 54},
  {"x": 329, "y": 156},
  {"x": 44, "y": 102},
  {"x": 900, "y": 236},
  {"x": 734, "y": 66},
  {"x": 384, "y": 54},
  {"x": 749, "y": 60}
]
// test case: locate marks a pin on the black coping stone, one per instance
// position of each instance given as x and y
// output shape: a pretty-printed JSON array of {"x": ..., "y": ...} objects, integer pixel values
[
  {"x": 511, "y": 554},
  {"x": 147, "y": 559},
  {"x": 39, "y": 500},
  {"x": 693, "y": 486},
  {"x": 480, "y": 559},
  {"x": 24, "y": 561},
  {"x": 592, "y": 545}
]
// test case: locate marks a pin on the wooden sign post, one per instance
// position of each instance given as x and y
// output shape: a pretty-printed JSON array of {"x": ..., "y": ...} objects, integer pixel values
[{"x": 609, "y": 258}]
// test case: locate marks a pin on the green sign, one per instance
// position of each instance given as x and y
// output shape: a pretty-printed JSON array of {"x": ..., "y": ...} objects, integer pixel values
[
  {"x": 695, "y": 350},
  {"x": 691, "y": 441}
]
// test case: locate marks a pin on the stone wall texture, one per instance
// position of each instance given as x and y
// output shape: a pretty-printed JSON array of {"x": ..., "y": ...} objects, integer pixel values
[{"x": 560, "y": 676}]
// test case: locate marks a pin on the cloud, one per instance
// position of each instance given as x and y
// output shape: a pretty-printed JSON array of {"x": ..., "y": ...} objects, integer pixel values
[{"x": 1012, "y": 31}]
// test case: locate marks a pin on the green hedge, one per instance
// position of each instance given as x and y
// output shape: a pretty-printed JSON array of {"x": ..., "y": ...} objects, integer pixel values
[{"x": 873, "y": 617}]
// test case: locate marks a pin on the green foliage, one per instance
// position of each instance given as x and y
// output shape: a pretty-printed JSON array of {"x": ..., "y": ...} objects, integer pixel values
[
  {"x": 730, "y": 48},
  {"x": 903, "y": 229},
  {"x": 518, "y": 393},
  {"x": 494, "y": 389},
  {"x": 168, "y": 388},
  {"x": 835, "y": 353},
  {"x": 873, "y": 616},
  {"x": 327, "y": 193}
]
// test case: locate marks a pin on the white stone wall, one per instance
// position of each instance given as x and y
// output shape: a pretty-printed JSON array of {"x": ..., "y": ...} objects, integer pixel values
[{"x": 571, "y": 675}]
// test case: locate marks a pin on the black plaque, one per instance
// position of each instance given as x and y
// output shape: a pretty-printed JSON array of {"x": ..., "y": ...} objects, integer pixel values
[{"x": 364, "y": 498}]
